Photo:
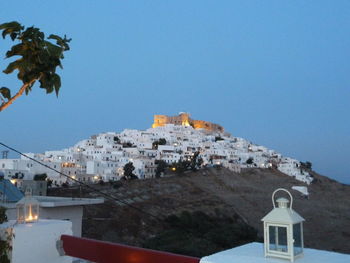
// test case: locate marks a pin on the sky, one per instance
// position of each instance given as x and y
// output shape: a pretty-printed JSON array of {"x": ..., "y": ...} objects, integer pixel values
[{"x": 274, "y": 72}]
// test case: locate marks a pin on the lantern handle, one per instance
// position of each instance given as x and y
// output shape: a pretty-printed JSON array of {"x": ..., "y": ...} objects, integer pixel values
[{"x": 282, "y": 189}]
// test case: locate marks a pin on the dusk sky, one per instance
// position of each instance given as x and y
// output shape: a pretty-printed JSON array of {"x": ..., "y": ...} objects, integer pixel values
[{"x": 274, "y": 72}]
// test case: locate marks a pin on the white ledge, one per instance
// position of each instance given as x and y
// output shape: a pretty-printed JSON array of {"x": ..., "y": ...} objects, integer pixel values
[{"x": 254, "y": 253}]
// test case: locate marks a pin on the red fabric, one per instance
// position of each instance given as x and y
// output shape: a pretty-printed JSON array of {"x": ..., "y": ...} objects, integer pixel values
[{"x": 105, "y": 252}]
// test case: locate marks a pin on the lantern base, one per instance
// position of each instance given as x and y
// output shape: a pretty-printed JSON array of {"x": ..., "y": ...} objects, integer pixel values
[{"x": 285, "y": 257}]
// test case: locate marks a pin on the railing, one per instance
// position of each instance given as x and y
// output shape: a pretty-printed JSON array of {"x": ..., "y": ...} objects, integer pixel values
[{"x": 105, "y": 252}]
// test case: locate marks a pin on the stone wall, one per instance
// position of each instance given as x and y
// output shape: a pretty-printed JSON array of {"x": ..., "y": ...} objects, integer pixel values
[{"x": 185, "y": 120}]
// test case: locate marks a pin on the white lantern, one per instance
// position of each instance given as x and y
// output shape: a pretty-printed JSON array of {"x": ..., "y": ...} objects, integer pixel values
[
  {"x": 27, "y": 208},
  {"x": 283, "y": 230}
]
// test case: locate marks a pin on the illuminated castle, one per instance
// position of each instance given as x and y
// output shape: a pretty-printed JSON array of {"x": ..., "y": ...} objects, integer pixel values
[{"x": 184, "y": 119}]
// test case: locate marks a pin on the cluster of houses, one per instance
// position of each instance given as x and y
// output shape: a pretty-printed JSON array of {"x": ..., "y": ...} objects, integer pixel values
[{"x": 103, "y": 156}]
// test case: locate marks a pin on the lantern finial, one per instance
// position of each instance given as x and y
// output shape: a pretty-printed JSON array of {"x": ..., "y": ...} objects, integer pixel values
[{"x": 29, "y": 192}]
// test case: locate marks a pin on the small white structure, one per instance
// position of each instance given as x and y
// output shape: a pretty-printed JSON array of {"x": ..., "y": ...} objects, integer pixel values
[
  {"x": 61, "y": 208},
  {"x": 283, "y": 230},
  {"x": 302, "y": 189},
  {"x": 37, "y": 242}
]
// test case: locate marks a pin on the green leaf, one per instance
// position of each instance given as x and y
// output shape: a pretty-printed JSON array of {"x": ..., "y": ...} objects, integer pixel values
[
  {"x": 12, "y": 66},
  {"x": 10, "y": 28},
  {"x": 12, "y": 24},
  {"x": 6, "y": 32},
  {"x": 56, "y": 83},
  {"x": 17, "y": 50},
  {"x": 61, "y": 42},
  {"x": 52, "y": 49},
  {"x": 5, "y": 92},
  {"x": 57, "y": 38},
  {"x": 13, "y": 36}
]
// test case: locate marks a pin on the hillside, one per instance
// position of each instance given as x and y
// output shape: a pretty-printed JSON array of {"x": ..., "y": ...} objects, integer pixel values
[{"x": 219, "y": 192}]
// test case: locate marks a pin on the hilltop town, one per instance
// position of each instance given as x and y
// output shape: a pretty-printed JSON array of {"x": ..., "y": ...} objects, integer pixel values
[{"x": 172, "y": 139}]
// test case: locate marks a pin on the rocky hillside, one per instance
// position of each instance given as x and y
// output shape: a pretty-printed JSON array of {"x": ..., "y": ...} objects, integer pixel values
[{"x": 218, "y": 192}]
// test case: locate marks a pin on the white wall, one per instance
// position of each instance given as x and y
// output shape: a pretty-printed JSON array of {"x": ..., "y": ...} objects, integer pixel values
[{"x": 36, "y": 242}]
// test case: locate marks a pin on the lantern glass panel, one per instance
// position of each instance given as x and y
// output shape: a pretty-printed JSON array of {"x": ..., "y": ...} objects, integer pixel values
[
  {"x": 31, "y": 213},
  {"x": 278, "y": 239},
  {"x": 20, "y": 213},
  {"x": 297, "y": 239}
]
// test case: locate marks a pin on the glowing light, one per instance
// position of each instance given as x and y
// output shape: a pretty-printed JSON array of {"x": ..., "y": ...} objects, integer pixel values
[
  {"x": 185, "y": 123},
  {"x": 27, "y": 208},
  {"x": 30, "y": 216}
]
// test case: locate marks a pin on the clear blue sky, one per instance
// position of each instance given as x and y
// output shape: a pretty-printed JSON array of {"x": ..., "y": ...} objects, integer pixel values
[{"x": 274, "y": 72}]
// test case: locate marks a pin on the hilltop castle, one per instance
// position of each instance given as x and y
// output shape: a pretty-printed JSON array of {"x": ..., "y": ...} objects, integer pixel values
[{"x": 184, "y": 119}]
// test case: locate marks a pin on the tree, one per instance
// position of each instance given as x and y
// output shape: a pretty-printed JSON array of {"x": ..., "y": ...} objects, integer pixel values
[
  {"x": 306, "y": 165},
  {"x": 127, "y": 145},
  {"x": 218, "y": 138},
  {"x": 49, "y": 182},
  {"x": 191, "y": 163},
  {"x": 181, "y": 166},
  {"x": 161, "y": 141},
  {"x": 162, "y": 165},
  {"x": 3, "y": 216},
  {"x": 38, "y": 60},
  {"x": 128, "y": 172},
  {"x": 196, "y": 161},
  {"x": 18, "y": 175},
  {"x": 5, "y": 245},
  {"x": 40, "y": 177},
  {"x": 250, "y": 160}
]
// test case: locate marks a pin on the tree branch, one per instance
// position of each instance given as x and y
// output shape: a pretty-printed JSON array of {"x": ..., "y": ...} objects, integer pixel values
[
  {"x": 2, "y": 99},
  {"x": 19, "y": 93}
]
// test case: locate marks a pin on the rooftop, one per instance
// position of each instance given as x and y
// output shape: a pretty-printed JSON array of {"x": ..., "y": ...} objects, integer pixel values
[
  {"x": 53, "y": 201},
  {"x": 9, "y": 192}
]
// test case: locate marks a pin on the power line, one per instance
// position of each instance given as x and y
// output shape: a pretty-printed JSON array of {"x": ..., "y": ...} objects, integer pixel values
[{"x": 110, "y": 197}]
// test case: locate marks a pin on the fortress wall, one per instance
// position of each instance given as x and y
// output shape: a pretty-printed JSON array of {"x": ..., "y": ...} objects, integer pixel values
[
  {"x": 198, "y": 124},
  {"x": 160, "y": 120},
  {"x": 185, "y": 120}
]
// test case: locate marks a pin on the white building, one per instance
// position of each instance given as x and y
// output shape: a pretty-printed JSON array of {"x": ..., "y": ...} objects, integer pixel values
[{"x": 102, "y": 156}]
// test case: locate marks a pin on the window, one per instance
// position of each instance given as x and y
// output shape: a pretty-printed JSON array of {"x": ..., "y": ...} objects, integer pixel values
[
  {"x": 278, "y": 239},
  {"x": 297, "y": 239}
]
